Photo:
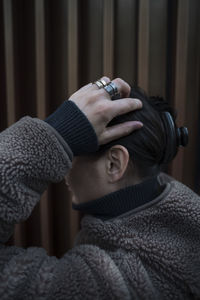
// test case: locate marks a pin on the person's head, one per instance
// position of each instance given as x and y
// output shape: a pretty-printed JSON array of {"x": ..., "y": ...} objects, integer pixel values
[{"x": 125, "y": 161}]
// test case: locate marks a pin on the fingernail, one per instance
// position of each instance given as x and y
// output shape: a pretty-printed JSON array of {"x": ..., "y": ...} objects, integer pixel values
[
  {"x": 139, "y": 103},
  {"x": 140, "y": 124}
]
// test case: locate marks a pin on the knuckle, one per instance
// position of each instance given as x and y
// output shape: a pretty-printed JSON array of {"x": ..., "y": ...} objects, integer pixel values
[
  {"x": 122, "y": 85},
  {"x": 107, "y": 79},
  {"x": 118, "y": 81},
  {"x": 135, "y": 104},
  {"x": 127, "y": 87},
  {"x": 138, "y": 103}
]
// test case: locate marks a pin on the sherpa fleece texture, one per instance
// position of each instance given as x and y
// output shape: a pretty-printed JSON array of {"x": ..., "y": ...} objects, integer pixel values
[{"x": 151, "y": 252}]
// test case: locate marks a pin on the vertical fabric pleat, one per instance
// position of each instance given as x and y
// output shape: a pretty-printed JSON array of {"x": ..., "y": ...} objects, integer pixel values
[{"x": 49, "y": 49}]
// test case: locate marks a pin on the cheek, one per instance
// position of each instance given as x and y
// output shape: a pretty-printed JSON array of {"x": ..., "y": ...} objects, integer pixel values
[
  {"x": 79, "y": 174},
  {"x": 82, "y": 176},
  {"x": 75, "y": 176}
]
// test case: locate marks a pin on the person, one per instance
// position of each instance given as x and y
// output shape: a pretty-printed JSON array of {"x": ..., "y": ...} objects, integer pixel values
[
  {"x": 140, "y": 237},
  {"x": 123, "y": 162}
]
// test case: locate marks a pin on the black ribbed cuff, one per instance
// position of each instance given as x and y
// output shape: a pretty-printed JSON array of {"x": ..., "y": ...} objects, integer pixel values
[{"x": 73, "y": 125}]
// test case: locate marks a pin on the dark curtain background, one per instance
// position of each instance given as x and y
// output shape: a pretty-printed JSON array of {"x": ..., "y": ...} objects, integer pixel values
[{"x": 49, "y": 48}]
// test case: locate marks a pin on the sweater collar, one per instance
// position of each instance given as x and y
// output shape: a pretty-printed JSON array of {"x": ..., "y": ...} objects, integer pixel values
[{"x": 121, "y": 201}]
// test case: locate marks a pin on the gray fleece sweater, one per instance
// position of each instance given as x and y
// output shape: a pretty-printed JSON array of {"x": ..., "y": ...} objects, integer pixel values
[{"x": 151, "y": 252}]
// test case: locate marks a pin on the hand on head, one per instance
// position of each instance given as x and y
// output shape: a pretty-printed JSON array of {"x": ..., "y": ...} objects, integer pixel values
[{"x": 95, "y": 102}]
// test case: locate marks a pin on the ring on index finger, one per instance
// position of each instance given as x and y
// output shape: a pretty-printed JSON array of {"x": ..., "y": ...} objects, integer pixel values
[
  {"x": 100, "y": 83},
  {"x": 112, "y": 90}
]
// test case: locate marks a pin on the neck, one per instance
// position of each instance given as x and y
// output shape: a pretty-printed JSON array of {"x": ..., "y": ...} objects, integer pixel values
[{"x": 122, "y": 200}]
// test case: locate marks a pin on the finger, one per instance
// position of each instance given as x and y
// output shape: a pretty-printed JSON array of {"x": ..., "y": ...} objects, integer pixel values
[
  {"x": 122, "y": 86},
  {"x": 106, "y": 79},
  {"x": 118, "y": 131},
  {"x": 123, "y": 106}
]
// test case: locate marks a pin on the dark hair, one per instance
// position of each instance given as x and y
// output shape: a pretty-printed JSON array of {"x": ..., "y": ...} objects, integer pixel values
[{"x": 146, "y": 146}]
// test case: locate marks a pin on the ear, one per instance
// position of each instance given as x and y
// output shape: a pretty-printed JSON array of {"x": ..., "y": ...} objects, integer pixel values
[{"x": 117, "y": 159}]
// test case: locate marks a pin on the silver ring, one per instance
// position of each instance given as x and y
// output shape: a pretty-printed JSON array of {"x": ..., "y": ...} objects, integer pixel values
[
  {"x": 111, "y": 89},
  {"x": 100, "y": 83}
]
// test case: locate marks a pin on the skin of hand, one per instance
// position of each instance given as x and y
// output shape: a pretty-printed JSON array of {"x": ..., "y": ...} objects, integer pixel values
[{"x": 98, "y": 107}]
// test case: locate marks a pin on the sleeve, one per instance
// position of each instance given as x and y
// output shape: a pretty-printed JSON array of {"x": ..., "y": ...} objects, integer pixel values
[
  {"x": 31, "y": 156},
  {"x": 34, "y": 153},
  {"x": 84, "y": 272},
  {"x": 32, "y": 274}
]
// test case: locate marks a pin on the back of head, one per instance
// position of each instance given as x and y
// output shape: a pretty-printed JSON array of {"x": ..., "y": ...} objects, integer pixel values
[{"x": 146, "y": 146}]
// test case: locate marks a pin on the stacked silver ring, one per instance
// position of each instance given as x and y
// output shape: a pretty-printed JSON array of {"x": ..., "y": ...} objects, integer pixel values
[
  {"x": 110, "y": 88},
  {"x": 100, "y": 83}
]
